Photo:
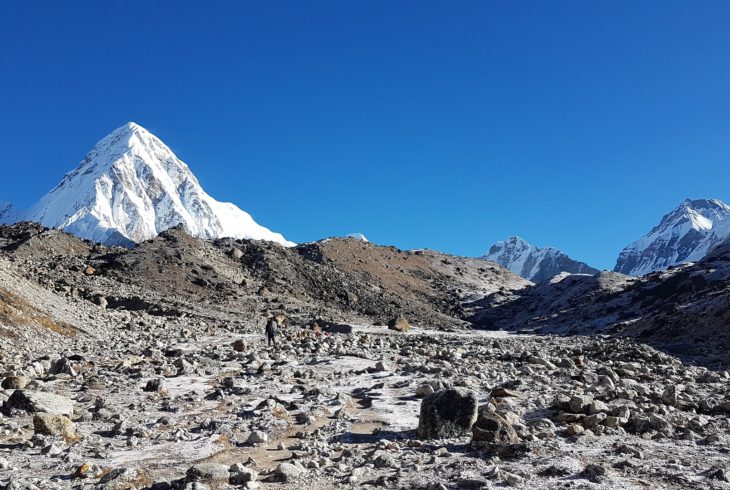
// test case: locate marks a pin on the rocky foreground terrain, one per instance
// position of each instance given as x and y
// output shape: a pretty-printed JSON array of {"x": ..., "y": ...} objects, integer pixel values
[{"x": 147, "y": 368}]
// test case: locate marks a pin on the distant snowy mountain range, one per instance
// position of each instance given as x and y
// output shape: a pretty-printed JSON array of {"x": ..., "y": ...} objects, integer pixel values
[
  {"x": 534, "y": 263},
  {"x": 129, "y": 188},
  {"x": 686, "y": 234}
]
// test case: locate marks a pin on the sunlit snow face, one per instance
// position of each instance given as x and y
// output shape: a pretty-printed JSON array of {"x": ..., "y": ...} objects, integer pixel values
[{"x": 133, "y": 186}]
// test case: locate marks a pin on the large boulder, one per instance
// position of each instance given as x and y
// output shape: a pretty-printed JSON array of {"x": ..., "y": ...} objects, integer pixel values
[
  {"x": 492, "y": 427},
  {"x": 54, "y": 425},
  {"x": 207, "y": 472},
  {"x": 338, "y": 328},
  {"x": 399, "y": 324},
  {"x": 63, "y": 366},
  {"x": 287, "y": 472},
  {"x": 15, "y": 382},
  {"x": 447, "y": 413},
  {"x": 39, "y": 402}
]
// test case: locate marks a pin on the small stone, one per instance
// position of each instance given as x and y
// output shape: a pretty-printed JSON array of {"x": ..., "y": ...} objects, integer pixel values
[
  {"x": 504, "y": 393},
  {"x": 658, "y": 422},
  {"x": 580, "y": 403},
  {"x": 594, "y": 420},
  {"x": 670, "y": 396},
  {"x": 492, "y": 427},
  {"x": 512, "y": 479},
  {"x": 574, "y": 430},
  {"x": 594, "y": 472},
  {"x": 612, "y": 421},
  {"x": 119, "y": 479},
  {"x": 597, "y": 406},
  {"x": 153, "y": 385},
  {"x": 424, "y": 390},
  {"x": 716, "y": 473},
  {"x": 287, "y": 472},
  {"x": 384, "y": 460},
  {"x": 240, "y": 474},
  {"x": 87, "y": 470},
  {"x": 399, "y": 324},
  {"x": 257, "y": 437}
]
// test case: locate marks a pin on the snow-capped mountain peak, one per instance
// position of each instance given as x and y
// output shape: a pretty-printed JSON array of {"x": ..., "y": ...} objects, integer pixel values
[
  {"x": 130, "y": 187},
  {"x": 686, "y": 234},
  {"x": 534, "y": 263}
]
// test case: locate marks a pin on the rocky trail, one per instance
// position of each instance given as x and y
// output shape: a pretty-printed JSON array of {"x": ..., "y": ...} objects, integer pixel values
[{"x": 342, "y": 410}]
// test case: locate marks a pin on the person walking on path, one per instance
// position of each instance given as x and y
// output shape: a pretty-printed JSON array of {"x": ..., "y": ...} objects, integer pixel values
[{"x": 272, "y": 330}]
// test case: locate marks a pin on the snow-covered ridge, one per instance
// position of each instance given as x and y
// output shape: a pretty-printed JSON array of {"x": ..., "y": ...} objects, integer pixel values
[
  {"x": 130, "y": 187},
  {"x": 358, "y": 236},
  {"x": 534, "y": 263},
  {"x": 686, "y": 234}
]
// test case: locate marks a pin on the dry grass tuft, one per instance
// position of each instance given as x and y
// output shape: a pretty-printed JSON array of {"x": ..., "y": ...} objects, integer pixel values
[{"x": 15, "y": 311}]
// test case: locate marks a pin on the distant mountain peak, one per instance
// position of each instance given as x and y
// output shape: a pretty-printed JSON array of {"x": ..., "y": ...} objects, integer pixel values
[
  {"x": 130, "y": 187},
  {"x": 686, "y": 234},
  {"x": 534, "y": 263},
  {"x": 7, "y": 213}
]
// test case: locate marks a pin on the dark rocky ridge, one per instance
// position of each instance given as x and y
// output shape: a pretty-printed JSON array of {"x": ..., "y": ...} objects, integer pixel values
[
  {"x": 175, "y": 273},
  {"x": 684, "y": 310}
]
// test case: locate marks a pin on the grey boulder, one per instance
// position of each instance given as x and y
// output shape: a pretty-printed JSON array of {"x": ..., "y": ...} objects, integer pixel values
[{"x": 40, "y": 402}]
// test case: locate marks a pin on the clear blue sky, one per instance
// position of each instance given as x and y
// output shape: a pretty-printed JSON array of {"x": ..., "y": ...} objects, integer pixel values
[{"x": 446, "y": 125}]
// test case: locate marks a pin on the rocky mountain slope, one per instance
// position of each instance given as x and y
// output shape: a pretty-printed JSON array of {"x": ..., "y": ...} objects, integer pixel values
[
  {"x": 686, "y": 234},
  {"x": 683, "y": 310},
  {"x": 175, "y": 273},
  {"x": 534, "y": 263},
  {"x": 129, "y": 188}
]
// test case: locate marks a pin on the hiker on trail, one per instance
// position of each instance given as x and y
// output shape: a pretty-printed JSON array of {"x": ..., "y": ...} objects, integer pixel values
[{"x": 272, "y": 330}]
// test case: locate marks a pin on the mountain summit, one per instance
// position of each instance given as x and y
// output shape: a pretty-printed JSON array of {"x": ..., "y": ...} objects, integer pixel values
[
  {"x": 686, "y": 234},
  {"x": 534, "y": 263},
  {"x": 129, "y": 188}
]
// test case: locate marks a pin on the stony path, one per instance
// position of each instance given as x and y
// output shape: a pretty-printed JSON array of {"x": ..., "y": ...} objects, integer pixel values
[{"x": 341, "y": 411}]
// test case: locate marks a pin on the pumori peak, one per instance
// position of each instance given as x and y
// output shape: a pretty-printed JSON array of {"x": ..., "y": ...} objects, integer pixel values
[{"x": 130, "y": 187}]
